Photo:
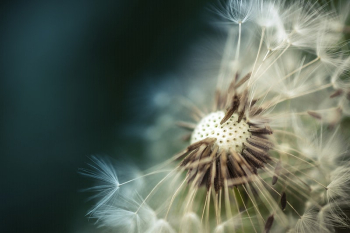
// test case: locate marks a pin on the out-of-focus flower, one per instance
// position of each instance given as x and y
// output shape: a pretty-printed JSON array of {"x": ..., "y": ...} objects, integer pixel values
[{"x": 264, "y": 152}]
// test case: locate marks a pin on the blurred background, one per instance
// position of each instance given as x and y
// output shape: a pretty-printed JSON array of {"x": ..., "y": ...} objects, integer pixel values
[{"x": 68, "y": 70}]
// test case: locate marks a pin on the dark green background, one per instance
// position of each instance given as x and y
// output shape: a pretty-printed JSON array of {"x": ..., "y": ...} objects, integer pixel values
[{"x": 68, "y": 70}]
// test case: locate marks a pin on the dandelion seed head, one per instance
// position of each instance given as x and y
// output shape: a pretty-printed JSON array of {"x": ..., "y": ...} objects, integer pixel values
[
  {"x": 262, "y": 149},
  {"x": 339, "y": 185},
  {"x": 231, "y": 134},
  {"x": 267, "y": 14},
  {"x": 237, "y": 11},
  {"x": 161, "y": 226}
]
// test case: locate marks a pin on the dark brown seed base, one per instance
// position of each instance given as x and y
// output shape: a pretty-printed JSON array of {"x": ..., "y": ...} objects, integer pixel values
[{"x": 211, "y": 166}]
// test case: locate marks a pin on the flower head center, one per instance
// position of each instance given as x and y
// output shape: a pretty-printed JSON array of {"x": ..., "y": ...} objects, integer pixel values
[{"x": 231, "y": 134}]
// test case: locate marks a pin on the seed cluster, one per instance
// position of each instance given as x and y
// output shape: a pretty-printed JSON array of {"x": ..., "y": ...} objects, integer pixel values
[
  {"x": 226, "y": 149},
  {"x": 231, "y": 134},
  {"x": 218, "y": 164}
]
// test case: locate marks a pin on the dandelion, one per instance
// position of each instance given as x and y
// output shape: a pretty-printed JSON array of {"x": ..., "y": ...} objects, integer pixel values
[{"x": 264, "y": 153}]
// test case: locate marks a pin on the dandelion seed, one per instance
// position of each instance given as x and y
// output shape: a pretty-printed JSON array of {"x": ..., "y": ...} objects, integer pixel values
[
  {"x": 269, "y": 223},
  {"x": 278, "y": 169},
  {"x": 191, "y": 223},
  {"x": 121, "y": 214},
  {"x": 332, "y": 215},
  {"x": 105, "y": 173},
  {"x": 308, "y": 222},
  {"x": 161, "y": 226},
  {"x": 283, "y": 201}
]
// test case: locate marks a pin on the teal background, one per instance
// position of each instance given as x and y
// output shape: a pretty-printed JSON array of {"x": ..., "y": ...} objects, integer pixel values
[{"x": 68, "y": 72}]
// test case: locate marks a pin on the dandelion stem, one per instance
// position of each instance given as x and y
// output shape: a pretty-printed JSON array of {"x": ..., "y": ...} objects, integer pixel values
[
  {"x": 298, "y": 170},
  {"x": 227, "y": 201},
  {"x": 288, "y": 133},
  {"x": 286, "y": 153},
  {"x": 252, "y": 199},
  {"x": 280, "y": 195},
  {"x": 273, "y": 62},
  {"x": 151, "y": 173},
  {"x": 155, "y": 187},
  {"x": 305, "y": 93},
  {"x": 271, "y": 202},
  {"x": 173, "y": 197},
  {"x": 257, "y": 56},
  {"x": 267, "y": 54},
  {"x": 309, "y": 177},
  {"x": 300, "y": 68},
  {"x": 220, "y": 202},
  {"x": 190, "y": 200},
  {"x": 224, "y": 61},
  {"x": 246, "y": 210},
  {"x": 205, "y": 204},
  {"x": 217, "y": 214},
  {"x": 307, "y": 186},
  {"x": 303, "y": 113},
  {"x": 208, "y": 208},
  {"x": 295, "y": 189},
  {"x": 290, "y": 74},
  {"x": 299, "y": 152},
  {"x": 239, "y": 40},
  {"x": 237, "y": 206}
]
